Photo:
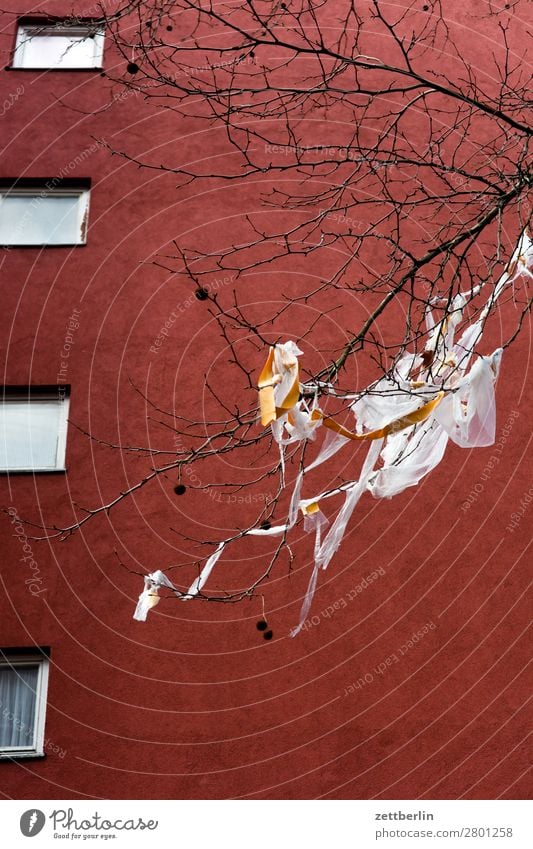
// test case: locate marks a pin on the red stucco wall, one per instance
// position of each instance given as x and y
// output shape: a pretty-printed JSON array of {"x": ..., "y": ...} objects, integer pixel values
[{"x": 195, "y": 703}]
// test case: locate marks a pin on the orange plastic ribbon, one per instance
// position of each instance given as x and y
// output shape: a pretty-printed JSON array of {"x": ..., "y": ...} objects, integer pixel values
[
  {"x": 266, "y": 391},
  {"x": 410, "y": 419},
  {"x": 314, "y": 507},
  {"x": 268, "y": 379}
]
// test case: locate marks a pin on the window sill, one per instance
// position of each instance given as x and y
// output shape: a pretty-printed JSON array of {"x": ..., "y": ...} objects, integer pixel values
[
  {"x": 55, "y": 70},
  {"x": 33, "y": 471},
  {"x": 11, "y": 756},
  {"x": 8, "y": 247}
]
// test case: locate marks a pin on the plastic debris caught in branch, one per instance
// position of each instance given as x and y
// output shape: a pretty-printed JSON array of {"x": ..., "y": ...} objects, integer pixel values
[{"x": 406, "y": 417}]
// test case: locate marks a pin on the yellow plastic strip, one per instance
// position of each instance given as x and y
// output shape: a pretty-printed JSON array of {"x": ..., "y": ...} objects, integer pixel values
[
  {"x": 419, "y": 415},
  {"x": 292, "y": 396},
  {"x": 311, "y": 508},
  {"x": 267, "y": 405},
  {"x": 269, "y": 411},
  {"x": 266, "y": 391},
  {"x": 338, "y": 428},
  {"x": 266, "y": 373},
  {"x": 410, "y": 419}
]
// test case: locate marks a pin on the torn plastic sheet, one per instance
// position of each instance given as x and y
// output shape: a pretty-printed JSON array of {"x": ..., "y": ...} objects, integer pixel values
[
  {"x": 150, "y": 594},
  {"x": 336, "y": 533},
  {"x": 315, "y": 521},
  {"x": 279, "y": 382}
]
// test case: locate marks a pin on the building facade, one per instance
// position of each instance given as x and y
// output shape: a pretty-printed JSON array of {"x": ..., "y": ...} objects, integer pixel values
[{"x": 410, "y": 677}]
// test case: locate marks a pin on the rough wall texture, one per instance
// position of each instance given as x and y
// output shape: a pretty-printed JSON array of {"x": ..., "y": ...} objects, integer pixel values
[{"x": 195, "y": 703}]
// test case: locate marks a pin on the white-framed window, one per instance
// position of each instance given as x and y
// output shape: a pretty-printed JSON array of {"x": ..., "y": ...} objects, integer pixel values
[
  {"x": 33, "y": 428},
  {"x": 59, "y": 45},
  {"x": 23, "y": 689},
  {"x": 49, "y": 213}
]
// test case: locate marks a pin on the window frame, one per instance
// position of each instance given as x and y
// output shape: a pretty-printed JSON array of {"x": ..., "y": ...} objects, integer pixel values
[
  {"x": 17, "y": 659},
  {"x": 10, "y": 394},
  {"x": 40, "y": 189},
  {"x": 58, "y": 27}
]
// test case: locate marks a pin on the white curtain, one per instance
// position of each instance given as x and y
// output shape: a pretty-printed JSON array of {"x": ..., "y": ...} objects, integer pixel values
[
  {"x": 29, "y": 433},
  {"x": 47, "y": 219},
  {"x": 18, "y": 689}
]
